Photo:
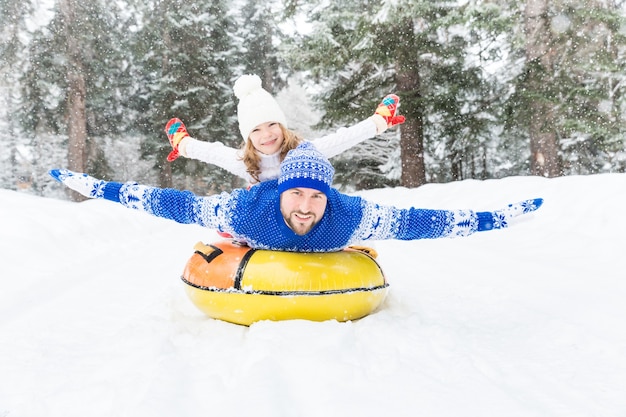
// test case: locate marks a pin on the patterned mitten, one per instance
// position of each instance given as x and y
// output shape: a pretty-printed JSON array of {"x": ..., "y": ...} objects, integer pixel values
[
  {"x": 388, "y": 108},
  {"x": 81, "y": 183},
  {"x": 175, "y": 131},
  {"x": 499, "y": 219}
]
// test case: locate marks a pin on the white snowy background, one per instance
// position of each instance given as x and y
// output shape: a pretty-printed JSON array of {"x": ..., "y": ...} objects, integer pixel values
[{"x": 526, "y": 321}]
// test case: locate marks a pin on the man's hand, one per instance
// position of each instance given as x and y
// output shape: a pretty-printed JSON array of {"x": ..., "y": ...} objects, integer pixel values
[
  {"x": 500, "y": 218},
  {"x": 81, "y": 183}
]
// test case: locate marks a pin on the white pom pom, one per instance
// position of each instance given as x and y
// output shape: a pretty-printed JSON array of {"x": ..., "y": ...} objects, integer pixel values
[{"x": 246, "y": 85}]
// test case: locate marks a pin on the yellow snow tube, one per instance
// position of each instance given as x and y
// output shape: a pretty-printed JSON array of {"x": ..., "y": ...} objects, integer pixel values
[{"x": 242, "y": 285}]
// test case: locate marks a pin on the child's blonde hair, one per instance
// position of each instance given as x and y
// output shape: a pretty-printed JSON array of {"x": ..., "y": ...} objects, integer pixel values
[{"x": 251, "y": 156}]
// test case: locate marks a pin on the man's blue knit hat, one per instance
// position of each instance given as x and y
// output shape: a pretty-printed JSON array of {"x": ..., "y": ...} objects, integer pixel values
[{"x": 305, "y": 167}]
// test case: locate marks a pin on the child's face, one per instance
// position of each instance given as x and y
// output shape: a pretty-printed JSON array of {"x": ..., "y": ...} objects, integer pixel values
[{"x": 267, "y": 138}]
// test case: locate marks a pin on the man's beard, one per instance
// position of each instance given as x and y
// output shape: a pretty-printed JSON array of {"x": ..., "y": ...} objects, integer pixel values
[{"x": 297, "y": 227}]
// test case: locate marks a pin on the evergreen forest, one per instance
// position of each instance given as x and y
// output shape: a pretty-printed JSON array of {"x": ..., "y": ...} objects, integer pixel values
[{"x": 490, "y": 88}]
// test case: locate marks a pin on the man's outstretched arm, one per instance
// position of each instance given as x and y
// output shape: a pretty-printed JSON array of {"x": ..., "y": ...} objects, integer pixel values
[
  {"x": 387, "y": 222},
  {"x": 180, "y": 206}
]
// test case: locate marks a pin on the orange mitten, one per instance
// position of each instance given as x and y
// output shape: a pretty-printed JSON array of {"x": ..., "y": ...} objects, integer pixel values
[
  {"x": 175, "y": 131},
  {"x": 387, "y": 109}
]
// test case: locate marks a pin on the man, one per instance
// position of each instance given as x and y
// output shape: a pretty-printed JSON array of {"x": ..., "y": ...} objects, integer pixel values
[{"x": 297, "y": 212}]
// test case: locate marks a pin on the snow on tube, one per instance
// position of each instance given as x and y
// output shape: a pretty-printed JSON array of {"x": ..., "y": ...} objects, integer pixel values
[{"x": 242, "y": 285}]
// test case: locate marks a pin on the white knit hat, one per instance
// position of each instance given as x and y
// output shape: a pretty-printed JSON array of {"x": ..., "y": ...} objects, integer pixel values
[{"x": 256, "y": 105}]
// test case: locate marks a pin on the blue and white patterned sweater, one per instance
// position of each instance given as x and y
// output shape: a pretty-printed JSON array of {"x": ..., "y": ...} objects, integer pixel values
[{"x": 254, "y": 215}]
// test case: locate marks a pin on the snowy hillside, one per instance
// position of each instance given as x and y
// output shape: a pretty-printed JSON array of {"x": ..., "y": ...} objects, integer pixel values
[{"x": 526, "y": 321}]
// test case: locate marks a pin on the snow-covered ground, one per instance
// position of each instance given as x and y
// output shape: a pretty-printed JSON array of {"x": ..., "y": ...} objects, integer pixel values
[{"x": 526, "y": 321}]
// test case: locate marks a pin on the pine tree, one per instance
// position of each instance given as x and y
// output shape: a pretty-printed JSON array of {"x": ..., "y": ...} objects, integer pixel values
[
  {"x": 592, "y": 126},
  {"x": 364, "y": 50},
  {"x": 16, "y": 13},
  {"x": 184, "y": 55},
  {"x": 70, "y": 82},
  {"x": 259, "y": 33},
  {"x": 570, "y": 92}
]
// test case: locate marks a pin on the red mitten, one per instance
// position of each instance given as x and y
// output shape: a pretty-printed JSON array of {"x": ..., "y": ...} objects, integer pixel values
[
  {"x": 175, "y": 131},
  {"x": 387, "y": 109}
]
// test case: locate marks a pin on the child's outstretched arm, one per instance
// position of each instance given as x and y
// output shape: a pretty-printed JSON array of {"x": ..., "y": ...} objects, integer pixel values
[
  {"x": 215, "y": 153},
  {"x": 346, "y": 137}
]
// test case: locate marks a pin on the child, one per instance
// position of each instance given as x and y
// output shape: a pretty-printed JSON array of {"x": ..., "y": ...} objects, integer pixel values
[{"x": 267, "y": 140}]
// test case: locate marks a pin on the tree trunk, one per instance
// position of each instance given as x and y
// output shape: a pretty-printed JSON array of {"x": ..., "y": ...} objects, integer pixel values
[
  {"x": 76, "y": 95},
  {"x": 544, "y": 147},
  {"x": 165, "y": 175},
  {"x": 165, "y": 167},
  {"x": 412, "y": 131}
]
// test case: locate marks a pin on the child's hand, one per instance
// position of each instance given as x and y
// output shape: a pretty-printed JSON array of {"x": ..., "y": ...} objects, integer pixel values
[
  {"x": 176, "y": 132},
  {"x": 388, "y": 108}
]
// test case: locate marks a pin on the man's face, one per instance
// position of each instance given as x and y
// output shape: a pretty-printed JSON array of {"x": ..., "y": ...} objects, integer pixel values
[{"x": 302, "y": 208}]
